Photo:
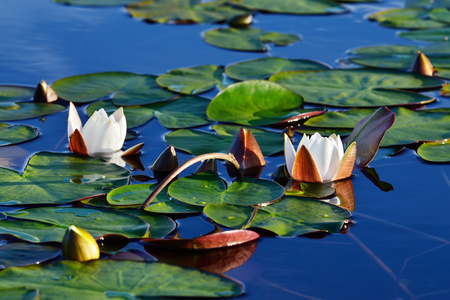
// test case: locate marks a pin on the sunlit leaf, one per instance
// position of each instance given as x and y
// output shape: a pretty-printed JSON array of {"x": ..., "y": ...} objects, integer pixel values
[
  {"x": 160, "y": 225},
  {"x": 250, "y": 39},
  {"x": 410, "y": 18},
  {"x": 26, "y": 110},
  {"x": 204, "y": 188},
  {"x": 254, "y": 102},
  {"x": 123, "y": 88},
  {"x": 263, "y": 68},
  {"x": 19, "y": 293},
  {"x": 427, "y": 3},
  {"x": 301, "y": 7},
  {"x": 11, "y": 93},
  {"x": 59, "y": 178},
  {"x": 427, "y": 35},
  {"x": 438, "y": 151},
  {"x": 118, "y": 278},
  {"x": 291, "y": 216},
  {"x": 22, "y": 254},
  {"x": 14, "y": 134},
  {"x": 357, "y": 87}
]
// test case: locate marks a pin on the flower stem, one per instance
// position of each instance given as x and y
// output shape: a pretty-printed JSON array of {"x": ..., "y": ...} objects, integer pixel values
[{"x": 228, "y": 157}]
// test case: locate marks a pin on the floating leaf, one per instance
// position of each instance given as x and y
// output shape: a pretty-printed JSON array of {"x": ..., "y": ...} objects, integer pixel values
[
  {"x": 22, "y": 254},
  {"x": 97, "y": 2},
  {"x": 438, "y": 151},
  {"x": 11, "y": 93},
  {"x": 19, "y": 293},
  {"x": 96, "y": 221},
  {"x": 193, "y": 80},
  {"x": 77, "y": 280},
  {"x": 301, "y": 7},
  {"x": 308, "y": 189},
  {"x": 254, "y": 102},
  {"x": 25, "y": 110},
  {"x": 263, "y": 68},
  {"x": 427, "y": 3},
  {"x": 14, "y": 134},
  {"x": 160, "y": 225},
  {"x": 291, "y": 216},
  {"x": 427, "y": 35},
  {"x": 270, "y": 142},
  {"x": 410, "y": 18},
  {"x": 59, "y": 178},
  {"x": 184, "y": 11},
  {"x": 249, "y": 39},
  {"x": 125, "y": 89},
  {"x": 357, "y": 87},
  {"x": 204, "y": 188}
]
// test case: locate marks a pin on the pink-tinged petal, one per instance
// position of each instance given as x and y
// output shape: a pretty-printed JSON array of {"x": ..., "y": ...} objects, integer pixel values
[
  {"x": 118, "y": 114},
  {"x": 305, "y": 168},
  {"x": 77, "y": 144},
  {"x": 289, "y": 154},
  {"x": 74, "y": 121},
  {"x": 422, "y": 65},
  {"x": 348, "y": 161}
]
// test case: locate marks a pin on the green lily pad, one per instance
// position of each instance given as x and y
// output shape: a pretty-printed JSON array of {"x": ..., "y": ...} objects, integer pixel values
[
  {"x": 31, "y": 231},
  {"x": 301, "y": 7},
  {"x": 204, "y": 188},
  {"x": 442, "y": 73},
  {"x": 357, "y": 87},
  {"x": 250, "y": 39},
  {"x": 136, "y": 194},
  {"x": 118, "y": 278},
  {"x": 270, "y": 142},
  {"x": 11, "y": 93},
  {"x": 59, "y": 178},
  {"x": 22, "y": 254},
  {"x": 14, "y": 134},
  {"x": 438, "y": 151},
  {"x": 26, "y": 110},
  {"x": 193, "y": 80},
  {"x": 409, "y": 18},
  {"x": 427, "y": 3},
  {"x": 187, "y": 111},
  {"x": 263, "y": 68},
  {"x": 97, "y": 2},
  {"x": 289, "y": 217},
  {"x": 96, "y": 221},
  {"x": 19, "y": 293},
  {"x": 184, "y": 11},
  {"x": 441, "y": 14},
  {"x": 427, "y": 35},
  {"x": 254, "y": 103},
  {"x": 125, "y": 89},
  {"x": 409, "y": 127},
  {"x": 160, "y": 225}
]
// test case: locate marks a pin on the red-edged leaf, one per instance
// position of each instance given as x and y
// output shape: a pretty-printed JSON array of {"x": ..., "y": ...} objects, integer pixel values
[{"x": 297, "y": 120}]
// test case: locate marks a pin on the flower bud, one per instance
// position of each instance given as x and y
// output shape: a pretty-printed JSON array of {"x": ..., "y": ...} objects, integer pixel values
[
  {"x": 246, "y": 150},
  {"x": 44, "y": 93},
  {"x": 79, "y": 245},
  {"x": 422, "y": 65}
]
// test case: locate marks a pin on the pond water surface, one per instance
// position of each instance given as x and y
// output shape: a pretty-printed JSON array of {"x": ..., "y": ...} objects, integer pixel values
[{"x": 399, "y": 246}]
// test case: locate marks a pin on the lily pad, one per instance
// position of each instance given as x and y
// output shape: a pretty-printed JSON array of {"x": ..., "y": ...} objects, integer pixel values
[
  {"x": 204, "y": 188},
  {"x": 357, "y": 87},
  {"x": 11, "y": 93},
  {"x": 22, "y": 254},
  {"x": 427, "y": 3},
  {"x": 96, "y": 221},
  {"x": 97, "y": 2},
  {"x": 250, "y": 39},
  {"x": 263, "y": 68},
  {"x": 301, "y": 7},
  {"x": 427, "y": 35},
  {"x": 270, "y": 142},
  {"x": 184, "y": 11},
  {"x": 20, "y": 293},
  {"x": 160, "y": 225},
  {"x": 59, "y": 178},
  {"x": 26, "y": 110},
  {"x": 119, "y": 278},
  {"x": 291, "y": 216},
  {"x": 125, "y": 89},
  {"x": 193, "y": 80},
  {"x": 254, "y": 102},
  {"x": 14, "y": 134},
  {"x": 438, "y": 151},
  {"x": 409, "y": 18},
  {"x": 136, "y": 194}
]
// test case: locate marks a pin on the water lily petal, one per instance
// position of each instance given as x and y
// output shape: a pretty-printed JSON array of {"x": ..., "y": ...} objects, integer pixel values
[
  {"x": 305, "y": 168},
  {"x": 331, "y": 160},
  {"x": 120, "y": 118},
  {"x": 289, "y": 154},
  {"x": 77, "y": 144},
  {"x": 74, "y": 121},
  {"x": 348, "y": 161}
]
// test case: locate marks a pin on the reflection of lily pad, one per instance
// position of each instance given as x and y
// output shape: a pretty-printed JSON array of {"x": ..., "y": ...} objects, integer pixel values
[
  {"x": 59, "y": 178},
  {"x": 204, "y": 188},
  {"x": 11, "y": 93},
  {"x": 263, "y": 68},
  {"x": 427, "y": 35},
  {"x": 357, "y": 87},
  {"x": 411, "y": 18},
  {"x": 254, "y": 102},
  {"x": 123, "y": 88},
  {"x": 250, "y": 39},
  {"x": 193, "y": 80},
  {"x": 21, "y": 254},
  {"x": 13, "y": 134},
  {"x": 184, "y": 11},
  {"x": 80, "y": 280},
  {"x": 290, "y": 216},
  {"x": 301, "y": 7},
  {"x": 438, "y": 151}
]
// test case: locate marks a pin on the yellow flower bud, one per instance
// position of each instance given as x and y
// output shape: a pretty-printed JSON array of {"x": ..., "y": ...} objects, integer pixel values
[{"x": 79, "y": 245}]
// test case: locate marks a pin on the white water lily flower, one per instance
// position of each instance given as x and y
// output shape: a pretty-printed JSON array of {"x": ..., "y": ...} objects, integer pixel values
[
  {"x": 100, "y": 135},
  {"x": 319, "y": 159}
]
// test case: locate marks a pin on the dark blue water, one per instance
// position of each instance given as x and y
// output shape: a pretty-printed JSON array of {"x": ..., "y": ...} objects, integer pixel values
[{"x": 398, "y": 247}]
